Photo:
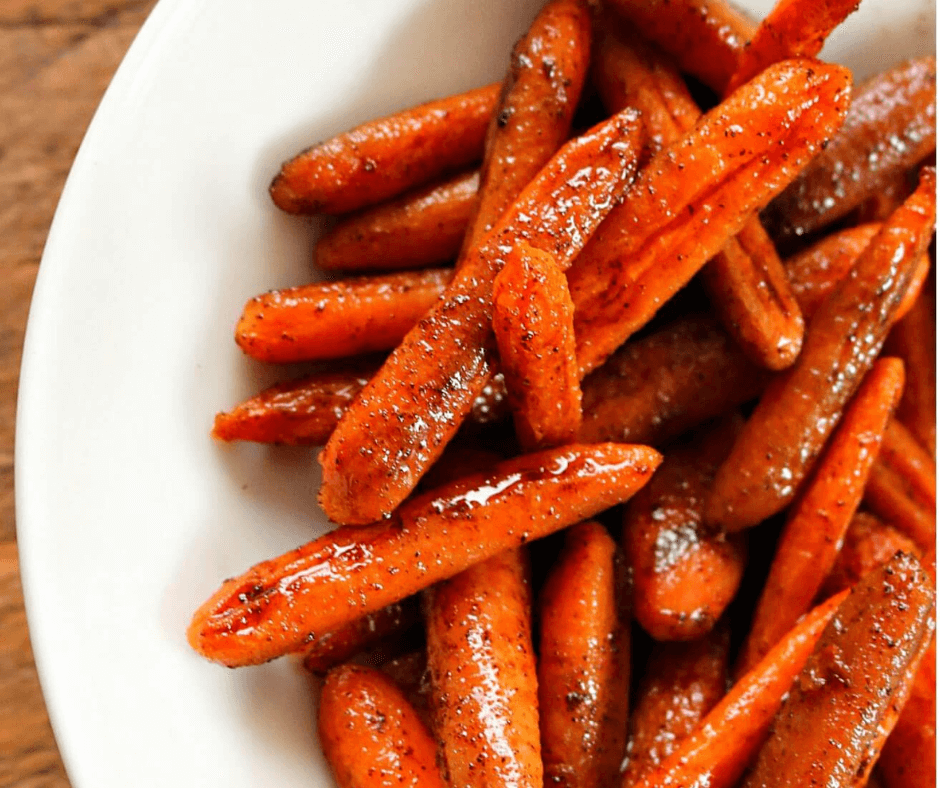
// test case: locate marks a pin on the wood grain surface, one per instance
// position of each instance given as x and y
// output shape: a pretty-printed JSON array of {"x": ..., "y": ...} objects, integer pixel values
[{"x": 56, "y": 59}]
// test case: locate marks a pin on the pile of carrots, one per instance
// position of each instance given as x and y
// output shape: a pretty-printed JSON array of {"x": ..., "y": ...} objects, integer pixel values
[{"x": 713, "y": 305}]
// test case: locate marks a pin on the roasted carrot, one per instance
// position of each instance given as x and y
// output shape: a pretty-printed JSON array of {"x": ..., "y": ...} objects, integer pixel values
[
  {"x": 338, "y": 319},
  {"x": 695, "y": 195},
  {"x": 409, "y": 672},
  {"x": 332, "y": 648},
  {"x": 890, "y": 127},
  {"x": 682, "y": 683},
  {"x": 423, "y": 227},
  {"x": 793, "y": 28},
  {"x": 848, "y": 696},
  {"x": 881, "y": 204},
  {"x": 279, "y": 605},
  {"x": 371, "y": 736},
  {"x": 405, "y": 416},
  {"x": 386, "y": 157},
  {"x": 816, "y": 524},
  {"x": 533, "y": 322},
  {"x": 584, "y": 663},
  {"x": 684, "y": 576},
  {"x": 797, "y": 413},
  {"x": 724, "y": 743}
]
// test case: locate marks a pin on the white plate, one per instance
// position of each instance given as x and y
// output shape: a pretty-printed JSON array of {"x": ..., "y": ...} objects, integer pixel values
[{"x": 128, "y": 514}]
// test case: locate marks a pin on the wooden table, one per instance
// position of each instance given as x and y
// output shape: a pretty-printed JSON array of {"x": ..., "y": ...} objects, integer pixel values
[{"x": 56, "y": 59}]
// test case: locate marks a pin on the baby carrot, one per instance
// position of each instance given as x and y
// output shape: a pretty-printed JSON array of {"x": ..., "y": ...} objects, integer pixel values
[
  {"x": 816, "y": 524},
  {"x": 338, "y": 319},
  {"x": 484, "y": 695},
  {"x": 371, "y": 736},
  {"x": 797, "y": 413},
  {"x": 584, "y": 663},
  {"x": 423, "y": 227},
  {"x": 279, "y": 605},
  {"x": 386, "y": 157}
]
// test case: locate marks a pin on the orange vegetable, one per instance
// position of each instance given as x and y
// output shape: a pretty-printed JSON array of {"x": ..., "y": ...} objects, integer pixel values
[
  {"x": 484, "y": 693},
  {"x": 684, "y": 575},
  {"x": 338, "y": 319},
  {"x": 533, "y": 324},
  {"x": 279, "y": 605},
  {"x": 371, "y": 736},
  {"x": 797, "y": 413},
  {"x": 584, "y": 663},
  {"x": 420, "y": 228},
  {"x": 409, "y": 672},
  {"x": 816, "y": 524},
  {"x": 386, "y": 157}
]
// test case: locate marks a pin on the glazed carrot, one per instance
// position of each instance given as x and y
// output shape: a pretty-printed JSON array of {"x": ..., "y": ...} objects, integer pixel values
[
  {"x": 816, "y": 524},
  {"x": 423, "y": 227},
  {"x": 695, "y": 195},
  {"x": 705, "y": 36},
  {"x": 852, "y": 687},
  {"x": 684, "y": 576},
  {"x": 483, "y": 680},
  {"x": 405, "y": 416},
  {"x": 724, "y": 743},
  {"x": 338, "y": 319},
  {"x": 371, "y": 736},
  {"x": 793, "y": 28},
  {"x": 914, "y": 339},
  {"x": 890, "y": 127},
  {"x": 409, "y": 672},
  {"x": 332, "y": 648},
  {"x": 879, "y": 206},
  {"x": 279, "y": 605},
  {"x": 533, "y": 324},
  {"x": 797, "y": 413},
  {"x": 386, "y": 157},
  {"x": 682, "y": 683},
  {"x": 584, "y": 663}
]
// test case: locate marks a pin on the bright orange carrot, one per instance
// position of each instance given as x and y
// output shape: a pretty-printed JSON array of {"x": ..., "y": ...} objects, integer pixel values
[
  {"x": 338, "y": 319},
  {"x": 405, "y": 416},
  {"x": 722, "y": 746},
  {"x": 533, "y": 323},
  {"x": 695, "y": 195},
  {"x": 890, "y": 127},
  {"x": 584, "y": 663},
  {"x": 848, "y": 696},
  {"x": 279, "y": 605},
  {"x": 483, "y": 678},
  {"x": 386, "y": 157},
  {"x": 816, "y": 524},
  {"x": 682, "y": 683},
  {"x": 371, "y": 736},
  {"x": 684, "y": 576},
  {"x": 798, "y": 412},
  {"x": 420, "y": 228}
]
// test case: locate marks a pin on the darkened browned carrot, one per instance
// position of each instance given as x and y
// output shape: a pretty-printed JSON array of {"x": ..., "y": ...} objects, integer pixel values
[
  {"x": 835, "y": 720},
  {"x": 684, "y": 575},
  {"x": 695, "y": 195},
  {"x": 410, "y": 674},
  {"x": 533, "y": 321},
  {"x": 405, "y": 416},
  {"x": 890, "y": 127},
  {"x": 338, "y": 319},
  {"x": 682, "y": 683},
  {"x": 421, "y": 228},
  {"x": 705, "y": 36},
  {"x": 279, "y": 605},
  {"x": 793, "y": 28},
  {"x": 881, "y": 204},
  {"x": 816, "y": 524},
  {"x": 371, "y": 736},
  {"x": 386, "y": 157},
  {"x": 483, "y": 676},
  {"x": 798, "y": 411},
  {"x": 724, "y": 743},
  {"x": 332, "y": 648},
  {"x": 584, "y": 663}
]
